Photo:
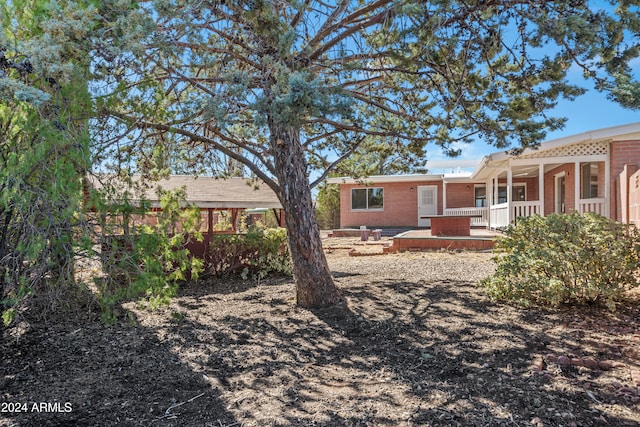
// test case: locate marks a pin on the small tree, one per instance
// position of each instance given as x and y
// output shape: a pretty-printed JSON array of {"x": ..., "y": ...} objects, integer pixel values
[
  {"x": 44, "y": 153},
  {"x": 328, "y": 206},
  {"x": 565, "y": 259},
  {"x": 143, "y": 260}
]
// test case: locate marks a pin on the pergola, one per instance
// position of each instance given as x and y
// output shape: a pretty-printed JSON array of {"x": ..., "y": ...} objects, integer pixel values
[{"x": 212, "y": 195}]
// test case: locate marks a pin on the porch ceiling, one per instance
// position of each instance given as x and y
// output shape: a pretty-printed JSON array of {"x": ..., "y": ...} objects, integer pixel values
[{"x": 528, "y": 171}]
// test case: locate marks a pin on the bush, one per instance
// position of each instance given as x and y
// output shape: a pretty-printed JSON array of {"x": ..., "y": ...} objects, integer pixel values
[
  {"x": 565, "y": 259},
  {"x": 147, "y": 264},
  {"x": 256, "y": 254}
]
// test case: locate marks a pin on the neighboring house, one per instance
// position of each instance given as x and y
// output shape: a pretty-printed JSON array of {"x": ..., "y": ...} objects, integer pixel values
[
  {"x": 213, "y": 196},
  {"x": 595, "y": 171}
]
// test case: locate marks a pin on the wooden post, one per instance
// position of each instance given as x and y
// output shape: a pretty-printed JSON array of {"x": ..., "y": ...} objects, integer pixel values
[{"x": 234, "y": 219}]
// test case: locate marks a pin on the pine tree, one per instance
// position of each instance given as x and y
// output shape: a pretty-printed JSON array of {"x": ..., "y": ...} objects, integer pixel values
[{"x": 298, "y": 86}]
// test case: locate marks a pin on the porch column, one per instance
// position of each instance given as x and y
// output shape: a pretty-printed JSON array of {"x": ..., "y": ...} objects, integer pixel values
[
  {"x": 509, "y": 193},
  {"x": 541, "y": 188},
  {"x": 489, "y": 197},
  {"x": 607, "y": 188},
  {"x": 576, "y": 185},
  {"x": 444, "y": 196}
]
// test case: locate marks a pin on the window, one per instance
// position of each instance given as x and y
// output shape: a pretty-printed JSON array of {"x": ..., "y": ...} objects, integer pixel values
[
  {"x": 518, "y": 194},
  {"x": 480, "y": 197},
  {"x": 367, "y": 198},
  {"x": 589, "y": 180}
]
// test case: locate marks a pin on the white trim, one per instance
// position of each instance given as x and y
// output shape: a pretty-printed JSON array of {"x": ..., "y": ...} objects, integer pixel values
[
  {"x": 629, "y": 131},
  {"x": 577, "y": 177},
  {"x": 632, "y": 130},
  {"x": 486, "y": 197},
  {"x": 381, "y": 179},
  {"x": 427, "y": 222},
  {"x": 541, "y": 188},
  {"x": 607, "y": 188},
  {"x": 444, "y": 196},
  {"x": 556, "y": 192},
  {"x": 562, "y": 159},
  {"x": 510, "y": 190}
]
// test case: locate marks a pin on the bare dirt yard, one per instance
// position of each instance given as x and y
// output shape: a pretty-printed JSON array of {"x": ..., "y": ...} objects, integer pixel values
[{"x": 415, "y": 343}]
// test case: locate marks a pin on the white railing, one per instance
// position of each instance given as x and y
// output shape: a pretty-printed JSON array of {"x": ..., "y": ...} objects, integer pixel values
[
  {"x": 525, "y": 209},
  {"x": 592, "y": 205},
  {"x": 475, "y": 221},
  {"x": 499, "y": 215}
]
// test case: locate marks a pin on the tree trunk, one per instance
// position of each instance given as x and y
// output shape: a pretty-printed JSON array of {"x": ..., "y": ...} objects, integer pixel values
[{"x": 314, "y": 284}]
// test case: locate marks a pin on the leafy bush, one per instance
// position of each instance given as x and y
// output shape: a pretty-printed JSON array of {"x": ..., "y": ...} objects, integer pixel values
[
  {"x": 565, "y": 259},
  {"x": 149, "y": 263},
  {"x": 256, "y": 254}
]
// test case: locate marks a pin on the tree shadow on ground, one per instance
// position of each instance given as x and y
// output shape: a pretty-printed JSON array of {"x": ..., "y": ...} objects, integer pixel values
[
  {"x": 394, "y": 353},
  {"x": 91, "y": 375}
]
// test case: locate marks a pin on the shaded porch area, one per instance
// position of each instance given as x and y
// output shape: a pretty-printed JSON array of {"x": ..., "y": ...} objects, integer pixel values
[{"x": 573, "y": 179}]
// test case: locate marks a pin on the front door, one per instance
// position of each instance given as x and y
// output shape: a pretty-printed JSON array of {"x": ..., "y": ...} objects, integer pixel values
[{"x": 427, "y": 203}]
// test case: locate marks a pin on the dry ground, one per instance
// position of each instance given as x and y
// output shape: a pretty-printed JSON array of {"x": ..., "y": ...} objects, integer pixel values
[{"x": 415, "y": 343}]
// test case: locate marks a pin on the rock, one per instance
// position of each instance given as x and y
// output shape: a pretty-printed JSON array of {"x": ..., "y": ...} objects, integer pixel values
[{"x": 605, "y": 364}]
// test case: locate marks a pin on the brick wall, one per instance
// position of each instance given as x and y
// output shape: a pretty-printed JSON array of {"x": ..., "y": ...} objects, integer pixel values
[
  {"x": 622, "y": 153},
  {"x": 634, "y": 198},
  {"x": 460, "y": 195},
  {"x": 550, "y": 188},
  {"x": 400, "y": 205},
  {"x": 625, "y": 188}
]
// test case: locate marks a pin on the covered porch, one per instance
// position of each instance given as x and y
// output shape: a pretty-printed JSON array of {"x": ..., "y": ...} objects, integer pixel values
[{"x": 543, "y": 183}]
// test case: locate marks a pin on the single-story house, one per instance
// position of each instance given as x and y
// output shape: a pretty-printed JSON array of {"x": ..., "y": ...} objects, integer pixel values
[{"x": 596, "y": 171}]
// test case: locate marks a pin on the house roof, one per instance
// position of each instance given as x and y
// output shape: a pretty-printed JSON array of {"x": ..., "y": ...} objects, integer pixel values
[
  {"x": 379, "y": 179},
  {"x": 614, "y": 133},
  {"x": 209, "y": 192},
  {"x": 499, "y": 159}
]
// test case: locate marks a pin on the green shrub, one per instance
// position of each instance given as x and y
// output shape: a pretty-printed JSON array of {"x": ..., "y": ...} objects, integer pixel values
[
  {"x": 148, "y": 264},
  {"x": 256, "y": 254},
  {"x": 565, "y": 259}
]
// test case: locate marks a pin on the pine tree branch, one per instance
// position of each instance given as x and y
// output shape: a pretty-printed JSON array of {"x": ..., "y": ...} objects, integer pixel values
[{"x": 143, "y": 124}]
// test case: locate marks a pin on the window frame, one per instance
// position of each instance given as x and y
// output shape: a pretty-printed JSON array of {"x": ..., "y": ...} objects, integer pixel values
[
  {"x": 587, "y": 181},
  {"x": 367, "y": 199},
  {"x": 503, "y": 187},
  {"x": 513, "y": 186}
]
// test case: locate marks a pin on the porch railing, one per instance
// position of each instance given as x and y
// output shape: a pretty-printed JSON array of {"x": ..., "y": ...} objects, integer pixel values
[
  {"x": 525, "y": 209},
  {"x": 499, "y": 215},
  {"x": 596, "y": 205},
  {"x": 475, "y": 221}
]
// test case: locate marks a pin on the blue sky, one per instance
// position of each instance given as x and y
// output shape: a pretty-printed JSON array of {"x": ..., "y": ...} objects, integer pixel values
[{"x": 589, "y": 112}]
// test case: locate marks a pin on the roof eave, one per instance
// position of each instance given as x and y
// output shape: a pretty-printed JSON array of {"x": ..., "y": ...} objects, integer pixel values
[{"x": 385, "y": 179}]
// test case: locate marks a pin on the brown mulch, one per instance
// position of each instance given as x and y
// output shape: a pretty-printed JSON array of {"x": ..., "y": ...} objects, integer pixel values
[{"x": 415, "y": 343}]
